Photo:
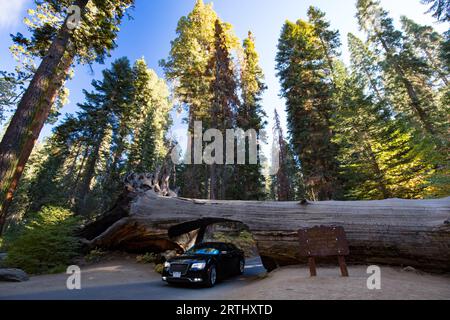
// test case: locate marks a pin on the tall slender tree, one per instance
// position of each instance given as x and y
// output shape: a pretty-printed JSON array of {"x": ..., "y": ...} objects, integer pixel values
[
  {"x": 427, "y": 43},
  {"x": 407, "y": 75},
  {"x": 284, "y": 181},
  {"x": 307, "y": 85},
  {"x": 189, "y": 67},
  {"x": 186, "y": 67},
  {"x": 150, "y": 121},
  {"x": 249, "y": 179},
  {"x": 58, "y": 47},
  {"x": 378, "y": 156},
  {"x": 224, "y": 105}
]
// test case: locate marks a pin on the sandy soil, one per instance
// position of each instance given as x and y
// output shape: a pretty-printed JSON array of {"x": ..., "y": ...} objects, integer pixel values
[{"x": 294, "y": 283}]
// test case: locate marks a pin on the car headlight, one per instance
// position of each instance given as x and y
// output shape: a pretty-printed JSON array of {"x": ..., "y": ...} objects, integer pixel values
[
  {"x": 198, "y": 266},
  {"x": 167, "y": 265}
]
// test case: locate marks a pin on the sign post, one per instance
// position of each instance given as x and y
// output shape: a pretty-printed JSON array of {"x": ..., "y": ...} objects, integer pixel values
[{"x": 324, "y": 242}]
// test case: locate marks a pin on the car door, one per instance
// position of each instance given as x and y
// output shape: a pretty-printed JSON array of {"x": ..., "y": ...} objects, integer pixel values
[
  {"x": 235, "y": 257},
  {"x": 227, "y": 260}
]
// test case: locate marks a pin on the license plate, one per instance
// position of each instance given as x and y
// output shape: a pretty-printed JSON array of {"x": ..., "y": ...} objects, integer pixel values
[{"x": 177, "y": 274}]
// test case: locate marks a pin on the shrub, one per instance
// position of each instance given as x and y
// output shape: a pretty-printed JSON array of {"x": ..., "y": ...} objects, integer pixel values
[
  {"x": 95, "y": 256},
  {"x": 159, "y": 268},
  {"x": 47, "y": 244},
  {"x": 148, "y": 258},
  {"x": 243, "y": 240}
]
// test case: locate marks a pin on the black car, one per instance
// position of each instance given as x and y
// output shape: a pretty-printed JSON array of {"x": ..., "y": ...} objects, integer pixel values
[{"x": 205, "y": 263}]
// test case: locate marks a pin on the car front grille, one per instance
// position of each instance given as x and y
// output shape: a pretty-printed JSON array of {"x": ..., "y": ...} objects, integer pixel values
[{"x": 178, "y": 267}]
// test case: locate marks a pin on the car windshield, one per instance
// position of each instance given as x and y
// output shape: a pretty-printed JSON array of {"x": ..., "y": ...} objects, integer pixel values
[{"x": 209, "y": 251}]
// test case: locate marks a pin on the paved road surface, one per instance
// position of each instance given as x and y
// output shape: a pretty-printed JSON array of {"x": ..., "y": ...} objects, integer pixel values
[{"x": 151, "y": 290}]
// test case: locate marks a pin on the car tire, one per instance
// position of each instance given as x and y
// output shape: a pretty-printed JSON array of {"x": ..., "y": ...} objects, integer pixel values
[
  {"x": 241, "y": 267},
  {"x": 212, "y": 276}
]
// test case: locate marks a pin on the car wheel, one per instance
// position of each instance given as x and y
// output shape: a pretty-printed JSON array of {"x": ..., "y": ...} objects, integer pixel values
[
  {"x": 241, "y": 266},
  {"x": 212, "y": 277}
]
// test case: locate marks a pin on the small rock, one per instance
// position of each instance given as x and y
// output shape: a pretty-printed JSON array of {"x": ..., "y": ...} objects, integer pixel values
[
  {"x": 412, "y": 270},
  {"x": 13, "y": 275}
]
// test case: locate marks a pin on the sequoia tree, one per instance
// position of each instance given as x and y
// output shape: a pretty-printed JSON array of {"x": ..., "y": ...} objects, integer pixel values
[
  {"x": 248, "y": 181},
  {"x": 58, "y": 47},
  {"x": 304, "y": 64}
]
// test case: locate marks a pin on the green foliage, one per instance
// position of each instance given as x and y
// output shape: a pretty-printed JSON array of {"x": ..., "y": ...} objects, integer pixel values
[
  {"x": 190, "y": 55},
  {"x": 249, "y": 179},
  {"x": 378, "y": 130},
  {"x": 47, "y": 245},
  {"x": 95, "y": 256},
  {"x": 148, "y": 258},
  {"x": 120, "y": 128},
  {"x": 243, "y": 240},
  {"x": 11, "y": 89},
  {"x": 305, "y": 63},
  {"x": 150, "y": 119},
  {"x": 159, "y": 268},
  {"x": 439, "y": 8}
]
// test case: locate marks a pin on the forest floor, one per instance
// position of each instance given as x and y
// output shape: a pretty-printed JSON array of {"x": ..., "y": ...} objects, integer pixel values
[
  {"x": 123, "y": 278},
  {"x": 294, "y": 283}
]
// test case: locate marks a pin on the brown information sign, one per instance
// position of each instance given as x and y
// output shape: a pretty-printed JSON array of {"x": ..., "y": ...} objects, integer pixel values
[{"x": 324, "y": 242}]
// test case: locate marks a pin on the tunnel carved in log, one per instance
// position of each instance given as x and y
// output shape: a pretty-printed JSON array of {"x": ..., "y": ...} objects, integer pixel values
[{"x": 396, "y": 232}]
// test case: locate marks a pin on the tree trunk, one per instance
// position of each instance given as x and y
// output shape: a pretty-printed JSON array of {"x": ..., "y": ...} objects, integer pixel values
[
  {"x": 398, "y": 232},
  {"x": 412, "y": 93},
  {"x": 85, "y": 187},
  {"x": 32, "y": 112}
]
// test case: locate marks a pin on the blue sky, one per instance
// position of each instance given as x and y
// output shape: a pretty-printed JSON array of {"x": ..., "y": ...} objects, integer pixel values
[{"x": 153, "y": 27}]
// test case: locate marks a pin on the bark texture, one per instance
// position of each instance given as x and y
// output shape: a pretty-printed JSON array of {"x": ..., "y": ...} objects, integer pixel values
[
  {"x": 396, "y": 232},
  {"x": 32, "y": 112}
]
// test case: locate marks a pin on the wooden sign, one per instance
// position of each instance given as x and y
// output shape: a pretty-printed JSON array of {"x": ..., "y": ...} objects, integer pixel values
[{"x": 324, "y": 242}]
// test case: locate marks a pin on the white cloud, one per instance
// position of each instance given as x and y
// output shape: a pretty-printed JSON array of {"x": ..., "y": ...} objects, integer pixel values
[{"x": 10, "y": 12}]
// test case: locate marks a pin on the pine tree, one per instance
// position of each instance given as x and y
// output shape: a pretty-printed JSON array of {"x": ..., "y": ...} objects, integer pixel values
[
  {"x": 120, "y": 128},
  {"x": 224, "y": 105},
  {"x": 406, "y": 74},
  {"x": 11, "y": 89},
  {"x": 378, "y": 157},
  {"x": 366, "y": 66},
  {"x": 427, "y": 44},
  {"x": 440, "y": 9},
  {"x": 118, "y": 90},
  {"x": 285, "y": 183},
  {"x": 58, "y": 47},
  {"x": 307, "y": 85},
  {"x": 188, "y": 67},
  {"x": 150, "y": 121},
  {"x": 329, "y": 39},
  {"x": 248, "y": 179},
  {"x": 51, "y": 182}
]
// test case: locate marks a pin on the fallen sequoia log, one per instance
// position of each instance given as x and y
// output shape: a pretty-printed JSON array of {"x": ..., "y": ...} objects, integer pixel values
[{"x": 396, "y": 232}]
